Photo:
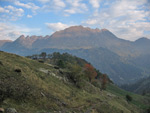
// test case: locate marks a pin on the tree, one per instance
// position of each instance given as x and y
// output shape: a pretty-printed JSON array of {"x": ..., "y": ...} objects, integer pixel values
[
  {"x": 77, "y": 76},
  {"x": 60, "y": 63},
  {"x": 35, "y": 56},
  {"x": 99, "y": 74},
  {"x": 50, "y": 55},
  {"x": 43, "y": 55},
  {"x": 104, "y": 81},
  {"x": 90, "y": 72},
  {"x": 56, "y": 55}
]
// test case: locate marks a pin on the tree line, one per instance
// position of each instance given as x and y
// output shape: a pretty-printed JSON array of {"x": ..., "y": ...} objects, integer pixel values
[{"x": 74, "y": 64}]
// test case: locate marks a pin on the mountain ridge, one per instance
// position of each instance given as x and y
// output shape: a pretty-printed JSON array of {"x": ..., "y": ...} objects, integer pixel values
[
  {"x": 79, "y": 39},
  {"x": 140, "y": 87},
  {"x": 79, "y": 31},
  {"x": 2, "y": 42}
]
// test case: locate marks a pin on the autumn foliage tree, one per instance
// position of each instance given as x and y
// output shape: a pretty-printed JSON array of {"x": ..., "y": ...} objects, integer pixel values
[
  {"x": 90, "y": 72},
  {"x": 104, "y": 81}
]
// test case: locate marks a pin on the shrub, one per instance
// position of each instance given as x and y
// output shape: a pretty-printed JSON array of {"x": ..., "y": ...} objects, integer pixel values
[
  {"x": 56, "y": 67},
  {"x": 61, "y": 64},
  {"x": 41, "y": 61},
  {"x": 15, "y": 87},
  {"x": 43, "y": 55},
  {"x": 148, "y": 110},
  {"x": 96, "y": 83},
  {"x": 104, "y": 82},
  {"x": 1, "y": 63},
  {"x": 18, "y": 70},
  {"x": 90, "y": 72},
  {"x": 128, "y": 98}
]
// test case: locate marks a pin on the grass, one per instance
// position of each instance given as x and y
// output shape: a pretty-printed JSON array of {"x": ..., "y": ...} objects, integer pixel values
[
  {"x": 33, "y": 90},
  {"x": 137, "y": 100}
]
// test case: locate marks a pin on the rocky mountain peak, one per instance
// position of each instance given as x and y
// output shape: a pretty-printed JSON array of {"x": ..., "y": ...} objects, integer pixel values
[
  {"x": 77, "y": 31},
  {"x": 142, "y": 41},
  {"x": 82, "y": 28}
]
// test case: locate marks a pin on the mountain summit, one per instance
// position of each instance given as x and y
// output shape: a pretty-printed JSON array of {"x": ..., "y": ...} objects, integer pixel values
[
  {"x": 76, "y": 37},
  {"x": 81, "y": 29},
  {"x": 77, "y": 31},
  {"x": 143, "y": 41}
]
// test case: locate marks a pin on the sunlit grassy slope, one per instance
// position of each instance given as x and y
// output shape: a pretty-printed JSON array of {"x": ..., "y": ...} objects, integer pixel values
[{"x": 33, "y": 87}]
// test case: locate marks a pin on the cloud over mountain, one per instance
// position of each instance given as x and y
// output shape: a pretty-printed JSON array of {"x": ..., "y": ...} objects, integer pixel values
[{"x": 56, "y": 26}]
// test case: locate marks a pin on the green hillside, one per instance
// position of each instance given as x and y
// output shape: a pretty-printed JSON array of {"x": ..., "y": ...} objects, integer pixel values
[{"x": 60, "y": 84}]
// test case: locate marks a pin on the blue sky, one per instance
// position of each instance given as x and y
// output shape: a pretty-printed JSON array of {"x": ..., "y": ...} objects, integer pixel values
[{"x": 127, "y": 19}]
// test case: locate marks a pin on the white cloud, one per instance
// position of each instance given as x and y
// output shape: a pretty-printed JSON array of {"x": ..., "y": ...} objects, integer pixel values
[
  {"x": 10, "y": 13},
  {"x": 65, "y": 7},
  {"x": 8, "y": 32},
  {"x": 95, "y": 3},
  {"x": 59, "y": 3},
  {"x": 125, "y": 18},
  {"x": 15, "y": 11},
  {"x": 8, "y": 0},
  {"x": 54, "y": 6},
  {"x": 3, "y": 10},
  {"x": 25, "y": 4},
  {"x": 56, "y": 26},
  {"x": 91, "y": 21},
  {"x": 75, "y": 6},
  {"x": 29, "y": 5},
  {"x": 29, "y": 16},
  {"x": 131, "y": 31},
  {"x": 44, "y": 1},
  {"x": 12, "y": 32}
]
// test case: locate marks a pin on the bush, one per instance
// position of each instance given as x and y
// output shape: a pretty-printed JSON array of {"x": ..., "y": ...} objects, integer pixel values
[
  {"x": 128, "y": 98},
  {"x": 14, "y": 87},
  {"x": 96, "y": 83},
  {"x": 1, "y": 63},
  {"x": 104, "y": 82},
  {"x": 148, "y": 110},
  {"x": 41, "y": 61},
  {"x": 18, "y": 70},
  {"x": 56, "y": 67},
  {"x": 61, "y": 64}
]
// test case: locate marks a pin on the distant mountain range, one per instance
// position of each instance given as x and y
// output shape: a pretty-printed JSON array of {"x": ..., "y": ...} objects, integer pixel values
[
  {"x": 141, "y": 87},
  {"x": 2, "y": 42},
  {"x": 124, "y": 61}
]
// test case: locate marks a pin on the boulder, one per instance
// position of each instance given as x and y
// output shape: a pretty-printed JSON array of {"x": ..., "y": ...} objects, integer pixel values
[
  {"x": 1, "y": 110},
  {"x": 56, "y": 67},
  {"x": 10, "y": 110}
]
